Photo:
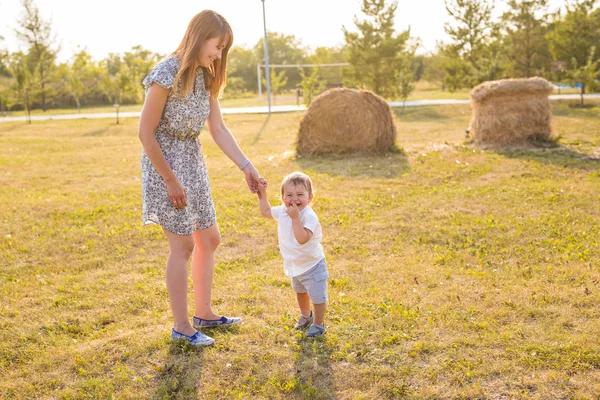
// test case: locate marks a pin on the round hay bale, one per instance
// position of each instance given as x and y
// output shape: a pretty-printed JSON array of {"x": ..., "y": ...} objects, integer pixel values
[
  {"x": 511, "y": 112},
  {"x": 345, "y": 121}
]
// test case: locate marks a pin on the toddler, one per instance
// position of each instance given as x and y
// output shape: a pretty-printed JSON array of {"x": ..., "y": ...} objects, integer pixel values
[{"x": 300, "y": 237}]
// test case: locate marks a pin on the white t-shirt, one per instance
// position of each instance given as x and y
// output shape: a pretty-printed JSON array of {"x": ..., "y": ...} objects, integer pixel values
[{"x": 298, "y": 258}]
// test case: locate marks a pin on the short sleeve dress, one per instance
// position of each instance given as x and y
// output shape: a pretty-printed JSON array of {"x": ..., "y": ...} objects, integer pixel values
[{"x": 177, "y": 133}]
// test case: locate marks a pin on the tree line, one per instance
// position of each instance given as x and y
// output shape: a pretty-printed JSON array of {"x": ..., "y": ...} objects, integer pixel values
[{"x": 528, "y": 39}]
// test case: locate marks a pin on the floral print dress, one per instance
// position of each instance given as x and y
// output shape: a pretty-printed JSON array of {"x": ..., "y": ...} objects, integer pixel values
[{"x": 177, "y": 133}]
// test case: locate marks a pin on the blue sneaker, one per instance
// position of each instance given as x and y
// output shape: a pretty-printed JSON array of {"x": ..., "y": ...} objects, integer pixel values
[
  {"x": 197, "y": 339},
  {"x": 200, "y": 323}
]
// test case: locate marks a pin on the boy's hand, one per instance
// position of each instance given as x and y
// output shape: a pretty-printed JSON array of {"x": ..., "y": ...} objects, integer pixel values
[
  {"x": 262, "y": 188},
  {"x": 293, "y": 211}
]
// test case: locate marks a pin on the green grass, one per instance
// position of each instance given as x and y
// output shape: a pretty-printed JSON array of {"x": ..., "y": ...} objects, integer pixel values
[
  {"x": 455, "y": 272},
  {"x": 248, "y": 100},
  {"x": 84, "y": 110}
]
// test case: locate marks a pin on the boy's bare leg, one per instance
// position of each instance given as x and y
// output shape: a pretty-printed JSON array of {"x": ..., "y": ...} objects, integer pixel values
[
  {"x": 304, "y": 303},
  {"x": 320, "y": 313}
]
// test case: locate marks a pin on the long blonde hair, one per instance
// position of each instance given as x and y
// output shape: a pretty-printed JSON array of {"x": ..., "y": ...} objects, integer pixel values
[{"x": 204, "y": 26}]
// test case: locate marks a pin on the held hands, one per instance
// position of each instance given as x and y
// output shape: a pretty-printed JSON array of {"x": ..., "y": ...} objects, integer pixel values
[
  {"x": 252, "y": 177},
  {"x": 262, "y": 188}
]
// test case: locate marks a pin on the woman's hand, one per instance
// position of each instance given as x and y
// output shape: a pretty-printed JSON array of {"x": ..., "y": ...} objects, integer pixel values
[
  {"x": 252, "y": 177},
  {"x": 177, "y": 194}
]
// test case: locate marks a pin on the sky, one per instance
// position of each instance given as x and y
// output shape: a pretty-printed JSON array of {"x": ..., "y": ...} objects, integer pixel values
[{"x": 115, "y": 26}]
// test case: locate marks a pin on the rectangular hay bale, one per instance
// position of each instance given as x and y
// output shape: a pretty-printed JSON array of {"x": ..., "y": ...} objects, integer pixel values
[{"x": 511, "y": 112}]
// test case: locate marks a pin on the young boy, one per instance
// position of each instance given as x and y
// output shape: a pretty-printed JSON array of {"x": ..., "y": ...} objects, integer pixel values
[{"x": 300, "y": 237}]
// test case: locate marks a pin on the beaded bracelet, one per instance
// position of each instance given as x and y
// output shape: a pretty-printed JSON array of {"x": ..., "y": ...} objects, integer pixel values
[{"x": 244, "y": 164}]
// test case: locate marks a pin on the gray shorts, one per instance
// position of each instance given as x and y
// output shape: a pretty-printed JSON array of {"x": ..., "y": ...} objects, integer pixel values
[{"x": 314, "y": 282}]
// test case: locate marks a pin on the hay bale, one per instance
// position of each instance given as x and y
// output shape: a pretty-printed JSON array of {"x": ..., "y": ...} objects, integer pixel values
[
  {"x": 511, "y": 112},
  {"x": 345, "y": 121}
]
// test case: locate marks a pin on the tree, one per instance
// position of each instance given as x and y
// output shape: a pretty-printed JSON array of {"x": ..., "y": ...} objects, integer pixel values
[
  {"x": 116, "y": 79},
  {"x": 585, "y": 74},
  {"x": 494, "y": 64},
  {"x": 283, "y": 49},
  {"x": 467, "y": 59},
  {"x": 24, "y": 80},
  {"x": 526, "y": 25},
  {"x": 312, "y": 84},
  {"x": 79, "y": 77},
  {"x": 241, "y": 70},
  {"x": 574, "y": 35},
  {"x": 376, "y": 52},
  {"x": 418, "y": 66},
  {"x": 3, "y": 60},
  {"x": 329, "y": 55},
  {"x": 457, "y": 72},
  {"x": 433, "y": 67},
  {"x": 5, "y": 79},
  {"x": 472, "y": 30},
  {"x": 574, "y": 38},
  {"x": 278, "y": 81},
  {"x": 406, "y": 79},
  {"x": 139, "y": 64},
  {"x": 36, "y": 33},
  {"x": 235, "y": 86}
]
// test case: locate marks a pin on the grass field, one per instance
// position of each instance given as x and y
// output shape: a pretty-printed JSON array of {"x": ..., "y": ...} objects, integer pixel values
[{"x": 456, "y": 273}]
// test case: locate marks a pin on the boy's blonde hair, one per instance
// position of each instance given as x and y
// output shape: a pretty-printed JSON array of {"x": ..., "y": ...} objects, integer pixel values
[{"x": 297, "y": 178}]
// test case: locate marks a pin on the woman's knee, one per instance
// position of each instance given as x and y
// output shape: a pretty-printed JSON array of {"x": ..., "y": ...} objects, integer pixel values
[
  {"x": 208, "y": 239},
  {"x": 185, "y": 249},
  {"x": 181, "y": 246}
]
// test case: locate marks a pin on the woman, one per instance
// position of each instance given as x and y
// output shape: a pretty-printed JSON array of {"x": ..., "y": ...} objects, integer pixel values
[{"x": 181, "y": 94}]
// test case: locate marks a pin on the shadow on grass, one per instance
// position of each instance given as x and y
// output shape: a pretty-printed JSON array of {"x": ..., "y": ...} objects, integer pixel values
[
  {"x": 568, "y": 108},
  {"x": 313, "y": 369},
  {"x": 261, "y": 130},
  {"x": 387, "y": 165},
  {"x": 97, "y": 132},
  {"x": 559, "y": 156},
  {"x": 7, "y": 128},
  {"x": 181, "y": 374}
]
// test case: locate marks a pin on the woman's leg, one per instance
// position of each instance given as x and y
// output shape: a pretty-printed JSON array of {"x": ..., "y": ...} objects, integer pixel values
[
  {"x": 203, "y": 268},
  {"x": 181, "y": 248}
]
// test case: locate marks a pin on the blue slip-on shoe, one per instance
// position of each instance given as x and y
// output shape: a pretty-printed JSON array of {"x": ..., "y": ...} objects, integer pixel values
[
  {"x": 197, "y": 339},
  {"x": 316, "y": 330},
  {"x": 200, "y": 323}
]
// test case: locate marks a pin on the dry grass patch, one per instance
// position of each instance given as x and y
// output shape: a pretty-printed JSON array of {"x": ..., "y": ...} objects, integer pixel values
[{"x": 456, "y": 272}]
